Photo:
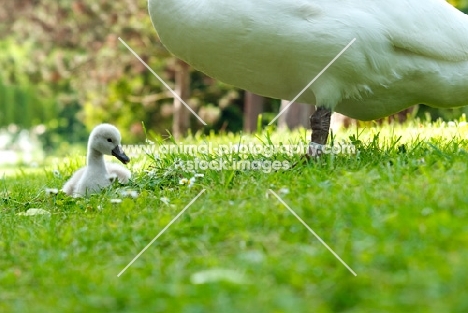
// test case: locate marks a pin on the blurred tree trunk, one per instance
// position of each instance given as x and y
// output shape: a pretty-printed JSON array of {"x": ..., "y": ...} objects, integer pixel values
[
  {"x": 297, "y": 115},
  {"x": 181, "y": 121},
  {"x": 253, "y": 106}
]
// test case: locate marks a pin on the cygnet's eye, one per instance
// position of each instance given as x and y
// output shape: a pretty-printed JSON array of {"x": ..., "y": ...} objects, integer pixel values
[{"x": 109, "y": 140}]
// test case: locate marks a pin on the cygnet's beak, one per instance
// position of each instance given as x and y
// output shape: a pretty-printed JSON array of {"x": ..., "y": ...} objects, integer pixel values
[{"x": 120, "y": 155}]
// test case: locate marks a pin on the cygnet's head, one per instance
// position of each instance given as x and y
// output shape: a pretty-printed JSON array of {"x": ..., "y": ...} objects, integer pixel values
[{"x": 105, "y": 138}]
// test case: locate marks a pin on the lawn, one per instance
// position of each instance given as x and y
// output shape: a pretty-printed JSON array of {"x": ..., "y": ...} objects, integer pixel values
[{"x": 395, "y": 211}]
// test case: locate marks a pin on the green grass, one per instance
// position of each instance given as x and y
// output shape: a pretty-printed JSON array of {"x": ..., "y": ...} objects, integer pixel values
[{"x": 396, "y": 213}]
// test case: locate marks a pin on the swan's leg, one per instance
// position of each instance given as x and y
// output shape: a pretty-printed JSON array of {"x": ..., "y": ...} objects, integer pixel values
[{"x": 320, "y": 124}]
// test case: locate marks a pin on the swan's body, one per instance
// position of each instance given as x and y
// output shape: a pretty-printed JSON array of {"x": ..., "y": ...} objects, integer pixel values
[
  {"x": 406, "y": 51},
  {"x": 97, "y": 174}
]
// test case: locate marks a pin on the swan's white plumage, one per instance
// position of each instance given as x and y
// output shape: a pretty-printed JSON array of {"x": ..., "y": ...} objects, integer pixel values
[
  {"x": 104, "y": 140},
  {"x": 407, "y": 51}
]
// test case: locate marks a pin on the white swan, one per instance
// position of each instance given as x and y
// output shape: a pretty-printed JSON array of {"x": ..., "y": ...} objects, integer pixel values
[
  {"x": 97, "y": 174},
  {"x": 406, "y": 51}
]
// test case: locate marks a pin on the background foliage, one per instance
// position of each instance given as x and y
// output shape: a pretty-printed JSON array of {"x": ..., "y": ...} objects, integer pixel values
[{"x": 63, "y": 67}]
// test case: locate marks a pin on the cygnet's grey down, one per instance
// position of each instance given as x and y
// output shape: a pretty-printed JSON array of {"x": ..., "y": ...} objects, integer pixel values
[{"x": 97, "y": 174}]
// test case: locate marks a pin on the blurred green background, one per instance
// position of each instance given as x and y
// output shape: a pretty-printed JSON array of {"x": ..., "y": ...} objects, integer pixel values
[{"x": 63, "y": 70}]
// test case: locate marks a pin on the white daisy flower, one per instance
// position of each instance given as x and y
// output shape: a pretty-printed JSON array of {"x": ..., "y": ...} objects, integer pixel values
[
  {"x": 150, "y": 172},
  {"x": 129, "y": 193},
  {"x": 34, "y": 211},
  {"x": 133, "y": 194},
  {"x": 178, "y": 163},
  {"x": 284, "y": 191}
]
